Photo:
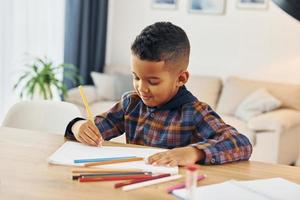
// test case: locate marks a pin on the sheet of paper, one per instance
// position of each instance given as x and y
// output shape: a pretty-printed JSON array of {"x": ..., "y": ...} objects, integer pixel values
[
  {"x": 71, "y": 151},
  {"x": 221, "y": 191},
  {"x": 274, "y": 189}
]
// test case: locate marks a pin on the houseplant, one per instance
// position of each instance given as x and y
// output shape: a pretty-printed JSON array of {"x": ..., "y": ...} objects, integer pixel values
[{"x": 41, "y": 78}]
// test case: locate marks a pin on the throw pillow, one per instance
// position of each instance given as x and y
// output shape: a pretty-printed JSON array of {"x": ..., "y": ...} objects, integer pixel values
[
  {"x": 256, "y": 103},
  {"x": 111, "y": 87}
]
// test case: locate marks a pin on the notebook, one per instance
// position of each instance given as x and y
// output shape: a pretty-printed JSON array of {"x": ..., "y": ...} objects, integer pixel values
[
  {"x": 262, "y": 189},
  {"x": 71, "y": 151}
]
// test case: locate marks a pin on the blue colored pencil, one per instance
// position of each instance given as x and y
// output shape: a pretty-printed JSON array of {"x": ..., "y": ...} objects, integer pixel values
[{"x": 101, "y": 159}]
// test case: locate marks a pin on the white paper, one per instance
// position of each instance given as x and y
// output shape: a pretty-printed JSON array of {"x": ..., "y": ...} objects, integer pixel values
[
  {"x": 71, "y": 151},
  {"x": 221, "y": 191},
  {"x": 274, "y": 189}
]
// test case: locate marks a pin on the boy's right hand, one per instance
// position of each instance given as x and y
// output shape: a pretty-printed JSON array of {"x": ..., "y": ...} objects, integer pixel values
[{"x": 86, "y": 132}]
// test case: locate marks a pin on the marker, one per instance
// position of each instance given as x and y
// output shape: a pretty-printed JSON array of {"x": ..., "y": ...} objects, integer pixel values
[
  {"x": 182, "y": 185},
  {"x": 191, "y": 181}
]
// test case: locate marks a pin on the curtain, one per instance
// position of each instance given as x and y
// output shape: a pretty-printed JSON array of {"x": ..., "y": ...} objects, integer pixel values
[
  {"x": 85, "y": 37},
  {"x": 29, "y": 29}
]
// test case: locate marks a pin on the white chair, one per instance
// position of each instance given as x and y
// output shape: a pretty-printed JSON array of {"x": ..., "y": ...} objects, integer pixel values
[{"x": 46, "y": 116}]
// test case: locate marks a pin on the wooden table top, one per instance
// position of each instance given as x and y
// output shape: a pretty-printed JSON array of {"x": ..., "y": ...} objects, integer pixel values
[{"x": 25, "y": 173}]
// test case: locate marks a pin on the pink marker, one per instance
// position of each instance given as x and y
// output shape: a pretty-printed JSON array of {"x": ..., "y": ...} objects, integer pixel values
[{"x": 182, "y": 185}]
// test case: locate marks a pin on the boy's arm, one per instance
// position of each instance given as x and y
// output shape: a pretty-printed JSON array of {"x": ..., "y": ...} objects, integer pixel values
[
  {"x": 69, "y": 133},
  {"x": 221, "y": 142},
  {"x": 110, "y": 123}
]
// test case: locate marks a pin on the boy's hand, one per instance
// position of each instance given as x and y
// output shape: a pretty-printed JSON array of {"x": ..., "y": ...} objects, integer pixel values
[
  {"x": 87, "y": 133},
  {"x": 178, "y": 156}
]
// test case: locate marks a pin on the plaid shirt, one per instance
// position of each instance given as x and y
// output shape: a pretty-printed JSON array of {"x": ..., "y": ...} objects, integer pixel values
[{"x": 182, "y": 121}]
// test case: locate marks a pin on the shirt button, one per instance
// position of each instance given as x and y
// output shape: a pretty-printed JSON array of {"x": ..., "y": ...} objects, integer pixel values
[
  {"x": 212, "y": 161},
  {"x": 152, "y": 115}
]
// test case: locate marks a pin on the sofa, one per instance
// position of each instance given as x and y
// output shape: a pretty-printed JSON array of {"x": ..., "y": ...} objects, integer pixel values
[{"x": 272, "y": 121}]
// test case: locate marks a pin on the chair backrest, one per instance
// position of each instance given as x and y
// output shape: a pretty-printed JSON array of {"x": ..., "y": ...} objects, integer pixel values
[{"x": 46, "y": 116}]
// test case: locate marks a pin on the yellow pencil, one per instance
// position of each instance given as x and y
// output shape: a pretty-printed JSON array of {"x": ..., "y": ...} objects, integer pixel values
[{"x": 85, "y": 102}]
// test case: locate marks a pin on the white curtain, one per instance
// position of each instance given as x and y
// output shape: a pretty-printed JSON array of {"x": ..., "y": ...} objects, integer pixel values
[{"x": 28, "y": 29}]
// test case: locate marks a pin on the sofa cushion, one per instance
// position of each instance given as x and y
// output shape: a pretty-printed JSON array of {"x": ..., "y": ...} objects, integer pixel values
[
  {"x": 205, "y": 88},
  {"x": 240, "y": 126},
  {"x": 236, "y": 89},
  {"x": 111, "y": 86},
  {"x": 277, "y": 120},
  {"x": 258, "y": 102}
]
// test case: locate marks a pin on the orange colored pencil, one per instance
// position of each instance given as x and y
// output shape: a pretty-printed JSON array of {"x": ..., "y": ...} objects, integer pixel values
[
  {"x": 113, "y": 161},
  {"x": 102, "y": 170}
]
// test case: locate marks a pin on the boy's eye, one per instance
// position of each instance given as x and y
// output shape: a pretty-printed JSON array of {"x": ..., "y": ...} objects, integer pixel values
[
  {"x": 136, "y": 78},
  {"x": 153, "y": 82}
]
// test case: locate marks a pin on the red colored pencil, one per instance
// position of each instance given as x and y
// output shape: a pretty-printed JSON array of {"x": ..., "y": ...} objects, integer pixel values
[
  {"x": 112, "y": 178},
  {"x": 118, "y": 185}
]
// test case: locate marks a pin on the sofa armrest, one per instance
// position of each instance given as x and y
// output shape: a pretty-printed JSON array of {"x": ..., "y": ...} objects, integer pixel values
[
  {"x": 277, "y": 120},
  {"x": 74, "y": 95}
]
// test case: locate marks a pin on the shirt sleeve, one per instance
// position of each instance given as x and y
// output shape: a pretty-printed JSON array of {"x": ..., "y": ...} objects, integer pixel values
[
  {"x": 111, "y": 123},
  {"x": 221, "y": 143}
]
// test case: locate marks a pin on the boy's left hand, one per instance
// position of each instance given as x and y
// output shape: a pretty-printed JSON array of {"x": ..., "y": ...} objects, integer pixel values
[{"x": 177, "y": 157}]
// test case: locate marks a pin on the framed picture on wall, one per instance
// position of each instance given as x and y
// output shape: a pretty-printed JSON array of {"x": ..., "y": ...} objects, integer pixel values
[
  {"x": 256, "y": 4},
  {"x": 164, "y": 4},
  {"x": 207, "y": 6}
]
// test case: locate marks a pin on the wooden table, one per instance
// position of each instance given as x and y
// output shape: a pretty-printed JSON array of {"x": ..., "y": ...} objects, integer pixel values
[{"x": 25, "y": 174}]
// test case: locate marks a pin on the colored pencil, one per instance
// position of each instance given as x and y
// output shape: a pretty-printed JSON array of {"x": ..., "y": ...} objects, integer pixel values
[
  {"x": 182, "y": 185},
  {"x": 101, "y": 159},
  {"x": 85, "y": 102},
  {"x": 112, "y": 178},
  {"x": 151, "y": 182},
  {"x": 118, "y": 185},
  {"x": 113, "y": 161},
  {"x": 102, "y": 170},
  {"x": 77, "y": 176}
]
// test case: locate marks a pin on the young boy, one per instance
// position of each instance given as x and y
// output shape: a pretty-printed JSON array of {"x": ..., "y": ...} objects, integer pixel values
[{"x": 161, "y": 112}]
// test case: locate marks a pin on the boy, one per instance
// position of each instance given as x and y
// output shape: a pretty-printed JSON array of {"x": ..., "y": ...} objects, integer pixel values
[{"x": 161, "y": 112}]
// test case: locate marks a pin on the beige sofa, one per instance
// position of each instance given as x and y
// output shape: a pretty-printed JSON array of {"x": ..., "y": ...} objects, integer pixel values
[{"x": 275, "y": 135}]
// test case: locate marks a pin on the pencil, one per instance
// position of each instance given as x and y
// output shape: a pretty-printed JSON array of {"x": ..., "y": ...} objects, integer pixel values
[
  {"x": 113, "y": 161},
  {"x": 77, "y": 176},
  {"x": 118, "y": 185},
  {"x": 112, "y": 178},
  {"x": 85, "y": 102},
  {"x": 101, "y": 159},
  {"x": 151, "y": 182},
  {"x": 102, "y": 170}
]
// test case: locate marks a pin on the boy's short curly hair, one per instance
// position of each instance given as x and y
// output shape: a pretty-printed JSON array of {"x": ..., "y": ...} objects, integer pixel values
[{"x": 163, "y": 41}]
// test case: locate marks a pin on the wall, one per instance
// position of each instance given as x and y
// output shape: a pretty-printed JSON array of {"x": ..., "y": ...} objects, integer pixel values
[
  {"x": 29, "y": 29},
  {"x": 259, "y": 44}
]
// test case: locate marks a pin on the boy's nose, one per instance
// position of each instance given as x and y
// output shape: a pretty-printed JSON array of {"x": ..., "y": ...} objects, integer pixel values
[{"x": 143, "y": 88}]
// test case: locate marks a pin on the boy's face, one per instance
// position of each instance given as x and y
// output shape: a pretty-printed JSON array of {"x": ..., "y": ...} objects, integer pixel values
[{"x": 153, "y": 81}]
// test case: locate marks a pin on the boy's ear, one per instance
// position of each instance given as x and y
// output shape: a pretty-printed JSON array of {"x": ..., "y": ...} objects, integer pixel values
[{"x": 183, "y": 78}]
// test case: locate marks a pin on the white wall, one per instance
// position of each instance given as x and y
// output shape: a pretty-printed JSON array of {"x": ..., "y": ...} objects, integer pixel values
[
  {"x": 31, "y": 27},
  {"x": 259, "y": 44}
]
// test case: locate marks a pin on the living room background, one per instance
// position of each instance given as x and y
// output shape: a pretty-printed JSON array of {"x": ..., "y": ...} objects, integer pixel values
[
  {"x": 255, "y": 43},
  {"x": 258, "y": 44}
]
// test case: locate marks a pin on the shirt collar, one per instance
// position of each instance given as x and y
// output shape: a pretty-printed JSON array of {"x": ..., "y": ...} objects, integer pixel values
[{"x": 182, "y": 97}]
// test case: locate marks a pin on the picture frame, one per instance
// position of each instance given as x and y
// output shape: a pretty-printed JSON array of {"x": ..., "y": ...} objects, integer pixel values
[
  {"x": 253, "y": 4},
  {"x": 207, "y": 6},
  {"x": 164, "y": 4}
]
